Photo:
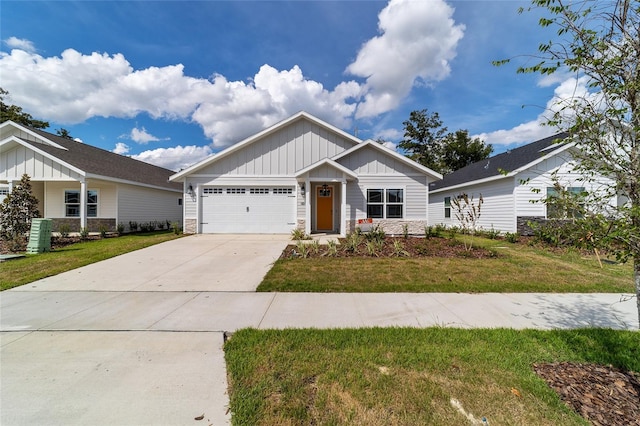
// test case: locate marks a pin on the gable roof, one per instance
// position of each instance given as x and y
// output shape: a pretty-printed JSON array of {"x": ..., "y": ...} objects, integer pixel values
[
  {"x": 505, "y": 164},
  {"x": 328, "y": 162},
  {"x": 251, "y": 139},
  {"x": 94, "y": 162},
  {"x": 406, "y": 160}
]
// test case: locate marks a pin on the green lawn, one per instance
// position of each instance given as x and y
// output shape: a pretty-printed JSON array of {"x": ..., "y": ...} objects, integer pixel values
[
  {"x": 34, "y": 267},
  {"x": 403, "y": 376},
  {"x": 517, "y": 268}
]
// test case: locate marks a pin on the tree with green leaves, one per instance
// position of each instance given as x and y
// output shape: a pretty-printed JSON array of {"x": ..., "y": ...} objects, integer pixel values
[
  {"x": 427, "y": 142},
  {"x": 63, "y": 133},
  {"x": 16, "y": 212},
  {"x": 15, "y": 114},
  {"x": 599, "y": 44},
  {"x": 459, "y": 150}
]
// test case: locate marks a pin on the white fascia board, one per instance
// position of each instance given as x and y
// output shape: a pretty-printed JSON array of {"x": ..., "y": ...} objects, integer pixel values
[
  {"x": 130, "y": 182},
  {"x": 471, "y": 183},
  {"x": 424, "y": 170},
  {"x": 251, "y": 139},
  {"x": 32, "y": 133},
  {"x": 330, "y": 163},
  {"x": 543, "y": 158},
  {"x": 53, "y": 158}
]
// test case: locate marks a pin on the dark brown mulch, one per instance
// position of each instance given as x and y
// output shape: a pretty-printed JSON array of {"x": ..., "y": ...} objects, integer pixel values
[
  {"x": 56, "y": 243},
  {"x": 602, "y": 395},
  {"x": 397, "y": 247}
]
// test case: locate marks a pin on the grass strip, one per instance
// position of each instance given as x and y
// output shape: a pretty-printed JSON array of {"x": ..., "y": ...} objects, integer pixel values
[
  {"x": 516, "y": 268},
  {"x": 18, "y": 272},
  {"x": 406, "y": 376}
]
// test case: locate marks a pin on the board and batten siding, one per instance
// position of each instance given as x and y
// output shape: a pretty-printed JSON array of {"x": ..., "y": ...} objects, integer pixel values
[
  {"x": 496, "y": 211},
  {"x": 283, "y": 152},
  {"x": 146, "y": 204},
  {"x": 21, "y": 160}
]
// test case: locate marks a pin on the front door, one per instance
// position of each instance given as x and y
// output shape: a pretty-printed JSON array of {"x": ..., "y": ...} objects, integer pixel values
[{"x": 324, "y": 208}]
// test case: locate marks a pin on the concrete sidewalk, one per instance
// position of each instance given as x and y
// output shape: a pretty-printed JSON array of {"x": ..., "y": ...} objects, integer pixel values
[{"x": 137, "y": 339}]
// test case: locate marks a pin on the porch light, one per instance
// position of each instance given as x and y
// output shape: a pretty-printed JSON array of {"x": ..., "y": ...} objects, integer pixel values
[
  {"x": 190, "y": 191},
  {"x": 325, "y": 186},
  {"x": 303, "y": 190}
]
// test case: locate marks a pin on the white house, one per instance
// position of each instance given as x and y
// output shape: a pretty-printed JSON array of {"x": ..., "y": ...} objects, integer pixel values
[
  {"x": 512, "y": 185},
  {"x": 307, "y": 174},
  {"x": 83, "y": 186}
]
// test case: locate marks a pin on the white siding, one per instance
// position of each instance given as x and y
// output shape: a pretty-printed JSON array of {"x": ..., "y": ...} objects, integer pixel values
[
  {"x": 144, "y": 204},
  {"x": 20, "y": 160},
  {"x": 497, "y": 207},
  {"x": 283, "y": 152},
  {"x": 54, "y": 198},
  {"x": 415, "y": 193},
  {"x": 539, "y": 178}
]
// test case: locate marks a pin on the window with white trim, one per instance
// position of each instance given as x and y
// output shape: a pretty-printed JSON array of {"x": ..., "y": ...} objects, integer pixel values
[
  {"x": 72, "y": 203},
  {"x": 208, "y": 191},
  {"x": 236, "y": 190},
  {"x": 447, "y": 207},
  {"x": 261, "y": 191},
  {"x": 385, "y": 203}
]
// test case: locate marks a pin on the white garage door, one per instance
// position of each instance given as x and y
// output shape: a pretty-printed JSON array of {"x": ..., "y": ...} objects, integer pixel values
[{"x": 253, "y": 210}]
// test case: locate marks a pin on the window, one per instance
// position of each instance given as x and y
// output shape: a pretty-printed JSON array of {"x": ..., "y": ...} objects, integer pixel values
[
  {"x": 263, "y": 191},
  {"x": 282, "y": 191},
  {"x": 72, "y": 203},
  {"x": 236, "y": 190},
  {"x": 447, "y": 207},
  {"x": 212, "y": 191},
  {"x": 565, "y": 203},
  {"x": 385, "y": 203}
]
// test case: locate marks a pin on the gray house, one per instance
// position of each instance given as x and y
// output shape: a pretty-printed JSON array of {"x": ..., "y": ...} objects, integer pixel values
[
  {"x": 84, "y": 186},
  {"x": 307, "y": 174}
]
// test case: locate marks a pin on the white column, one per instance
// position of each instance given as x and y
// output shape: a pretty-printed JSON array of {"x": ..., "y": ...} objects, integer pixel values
[
  {"x": 307, "y": 207},
  {"x": 83, "y": 205},
  {"x": 343, "y": 209}
]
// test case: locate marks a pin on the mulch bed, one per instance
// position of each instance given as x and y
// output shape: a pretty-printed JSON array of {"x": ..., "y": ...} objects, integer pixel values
[
  {"x": 56, "y": 243},
  {"x": 394, "y": 247},
  {"x": 602, "y": 395}
]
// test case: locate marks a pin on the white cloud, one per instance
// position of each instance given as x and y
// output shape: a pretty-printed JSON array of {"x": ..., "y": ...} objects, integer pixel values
[
  {"x": 143, "y": 137},
  {"x": 20, "y": 43},
  {"x": 418, "y": 41},
  {"x": 121, "y": 148},
  {"x": 571, "y": 88},
  {"x": 175, "y": 158}
]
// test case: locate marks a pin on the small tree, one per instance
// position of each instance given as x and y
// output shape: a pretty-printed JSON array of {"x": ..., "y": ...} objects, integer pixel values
[
  {"x": 468, "y": 214},
  {"x": 16, "y": 212}
]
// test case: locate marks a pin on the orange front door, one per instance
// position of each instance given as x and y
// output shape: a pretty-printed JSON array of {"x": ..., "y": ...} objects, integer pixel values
[{"x": 324, "y": 208}]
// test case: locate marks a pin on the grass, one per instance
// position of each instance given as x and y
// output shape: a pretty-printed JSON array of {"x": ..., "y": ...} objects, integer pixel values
[
  {"x": 517, "y": 268},
  {"x": 401, "y": 376},
  {"x": 34, "y": 267}
]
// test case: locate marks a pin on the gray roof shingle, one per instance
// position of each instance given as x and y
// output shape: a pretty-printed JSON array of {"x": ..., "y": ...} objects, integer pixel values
[
  {"x": 507, "y": 161},
  {"x": 100, "y": 162}
]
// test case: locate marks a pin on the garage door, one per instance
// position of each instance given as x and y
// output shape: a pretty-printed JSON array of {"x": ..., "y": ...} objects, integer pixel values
[{"x": 253, "y": 210}]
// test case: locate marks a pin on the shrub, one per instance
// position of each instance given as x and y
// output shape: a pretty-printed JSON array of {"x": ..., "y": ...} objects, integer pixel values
[
  {"x": 332, "y": 248},
  {"x": 511, "y": 237},
  {"x": 103, "y": 230},
  {"x": 175, "y": 227},
  {"x": 64, "y": 229},
  {"x": 84, "y": 233},
  {"x": 302, "y": 249},
  {"x": 492, "y": 234},
  {"x": 120, "y": 228},
  {"x": 17, "y": 210},
  {"x": 372, "y": 248},
  {"x": 405, "y": 231},
  {"x": 352, "y": 241},
  {"x": 299, "y": 234},
  {"x": 398, "y": 249},
  {"x": 133, "y": 226},
  {"x": 376, "y": 234}
]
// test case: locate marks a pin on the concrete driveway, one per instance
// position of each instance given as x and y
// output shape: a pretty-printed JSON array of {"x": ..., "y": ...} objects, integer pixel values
[
  {"x": 194, "y": 263},
  {"x": 133, "y": 340}
]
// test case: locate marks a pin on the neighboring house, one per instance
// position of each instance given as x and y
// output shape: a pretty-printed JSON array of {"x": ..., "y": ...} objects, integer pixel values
[
  {"x": 512, "y": 185},
  {"x": 304, "y": 173},
  {"x": 84, "y": 186}
]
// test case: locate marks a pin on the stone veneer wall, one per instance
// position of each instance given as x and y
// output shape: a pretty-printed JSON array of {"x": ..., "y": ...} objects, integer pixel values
[
  {"x": 301, "y": 223},
  {"x": 190, "y": 226},
  {"x": 93, "y": 224},
  {"x": 394, "y": 226}
]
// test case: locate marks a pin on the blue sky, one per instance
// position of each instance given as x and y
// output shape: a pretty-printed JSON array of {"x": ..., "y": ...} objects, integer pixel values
[{"x": 171, "y": 82}]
